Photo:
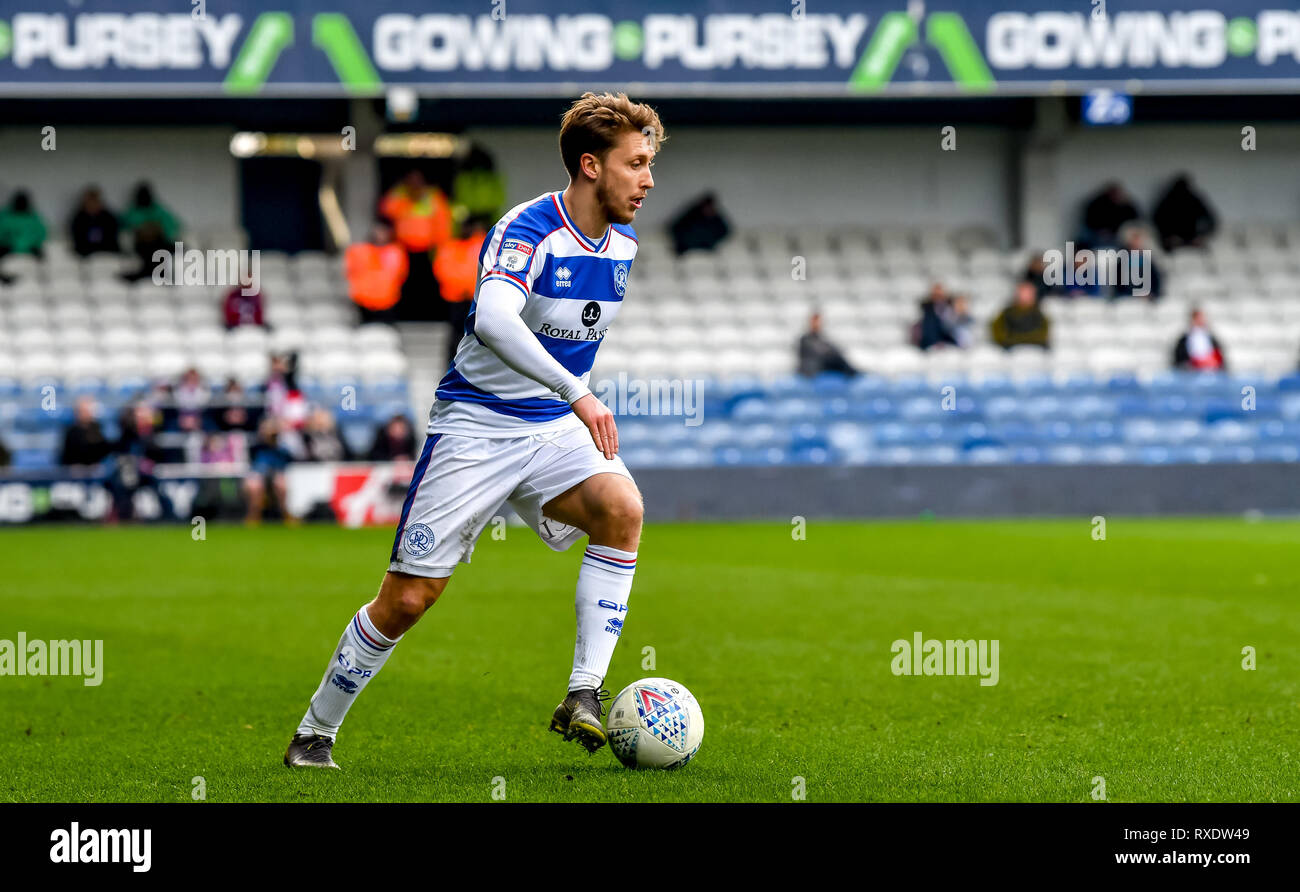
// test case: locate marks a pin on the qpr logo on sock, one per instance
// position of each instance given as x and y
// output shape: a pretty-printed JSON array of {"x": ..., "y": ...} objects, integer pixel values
[{"x": 418, "y": 540}]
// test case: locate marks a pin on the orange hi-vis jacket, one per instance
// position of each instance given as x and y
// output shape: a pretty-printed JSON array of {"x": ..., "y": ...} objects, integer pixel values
[
  {"x": 455, "y": 266},
  {"x": 375, "y": 274},
  {"x": 421, "y": 220}
]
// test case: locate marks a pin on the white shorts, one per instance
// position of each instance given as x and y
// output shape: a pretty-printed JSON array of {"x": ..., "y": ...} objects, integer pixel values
[{"x": 460, "y": 484}]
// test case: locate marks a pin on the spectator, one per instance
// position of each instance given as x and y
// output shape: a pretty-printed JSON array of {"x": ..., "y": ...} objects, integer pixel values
[
  {"x": 1141, "y": 268},
  {"x": 84, "y": 442},
  {"x": 420, "y": 213},
  {"x": 935, "y": 325},
  {"x": 1036, "y": 272},
  {"x": 234, "y": 423},
  {"x": 1022, "y": 321},
  {"x": 376, "y": 271},
  {"x": 421, "y": 218},
  {"x": 192, "y": 394},
  {"x": 243, "y": 309},
  {"x": 138, "y": 452},
  {"x": 456, "y": 269},
  {"x": 22, "y": 231},
  {"x": 1108, "y": 210},
  {"x": 701, "y": 226},
  {"x": 323, "y": 440},
  {"x": 1198, "y": 349},
  {"x": 287, "y": 404},
  {"x": 961, "y": 322},
  {"x": 93, "y": 227},
  {"x": 6, "y": 457},
  {"x": 1077, "y": 286},
  {"x": 152, "y": 227},
  {"x": 269, "y": 460},
  {"x": 224, "y": 448},
  {"x": 232, "y": 413},
  {"x": 1182, "y": 217},
  {"x": 478, "y": 190},
  {"x": 817, "y": 354},
  {"x": 395, "y": 441}
]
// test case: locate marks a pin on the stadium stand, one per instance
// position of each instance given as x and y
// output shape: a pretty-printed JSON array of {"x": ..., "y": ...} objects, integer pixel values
[
  {"x": 74, "y": 324},
  {"x": 730, "y": 319}
]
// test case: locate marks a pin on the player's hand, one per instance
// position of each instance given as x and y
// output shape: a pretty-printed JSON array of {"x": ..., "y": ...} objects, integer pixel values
[{"x": 600, "y": 422}]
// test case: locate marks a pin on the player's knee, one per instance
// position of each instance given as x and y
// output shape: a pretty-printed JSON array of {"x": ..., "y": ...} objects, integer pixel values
[
  {"x": 621, "y": 516},
  {"x": 420, "y": 596},
  {"x": 413, "y": 595}
]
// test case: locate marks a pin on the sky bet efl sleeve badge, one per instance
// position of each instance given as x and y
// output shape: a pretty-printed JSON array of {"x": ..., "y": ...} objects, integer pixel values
[{"x": 515, "y": 255}]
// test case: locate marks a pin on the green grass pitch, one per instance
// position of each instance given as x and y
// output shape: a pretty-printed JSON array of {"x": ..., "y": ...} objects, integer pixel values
[{"x": 1119, "y": 659}]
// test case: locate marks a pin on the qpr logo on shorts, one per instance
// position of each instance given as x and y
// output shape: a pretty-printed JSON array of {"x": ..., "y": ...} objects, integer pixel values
[
  {"x": 620, "y": 278},
  {"x": 418, "y": 540}
]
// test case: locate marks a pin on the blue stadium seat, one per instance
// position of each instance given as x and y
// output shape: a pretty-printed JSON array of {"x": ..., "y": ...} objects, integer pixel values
[
  {"x": 1278, "y": 452},
  {"x": 34, "y": 459}
]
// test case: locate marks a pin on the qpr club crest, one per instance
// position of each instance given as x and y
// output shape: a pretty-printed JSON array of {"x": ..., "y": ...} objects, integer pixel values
[
  {"x": 620, "y": 278},
  {"x": 418, "y": 540}
]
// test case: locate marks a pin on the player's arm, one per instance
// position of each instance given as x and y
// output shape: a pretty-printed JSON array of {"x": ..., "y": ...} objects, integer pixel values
[{"x": 500, "y": 327}]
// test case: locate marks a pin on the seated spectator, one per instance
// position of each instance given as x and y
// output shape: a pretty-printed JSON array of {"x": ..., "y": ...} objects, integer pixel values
[
  {"x": 1077, "y": 287},
  {"x": 1182, "y": 217},
  {"x": 323, "y": 440},
  {"x": 152, "y": 227},
  {"x": 1198, "y": 349},
  {"x": 268, "y": 460},
  {"x": 817, "y": 354},
  {"x": 935, "y": 327},
  {"x": 395, "y": 441},
  {"x": 376, "y": 271},
  {"x": 1036, "y": 272},
  {"x": 701, "y": 226},
  {"x": 84, "y": 442},
  {"x": 224, "y": 448},
  {"x": 232, "y": 408},
  {"x": 192, "y": 394},
  {"x": 1141, "y": 268},
  {"x": 137, "y": 453},
  {"x": 94, "y": 227},
  {"x": 1103, "y": 216},
  {"x": 1022, "y": 321},
  {"x": 22, "y": 231},
  {"x": 234, "y": 423},
  {"x": 961, "y": 322},
  {"x": 284, "y": 399},
  {"x": 456, "y": 268},
  {"x": 243, "y": 309}
]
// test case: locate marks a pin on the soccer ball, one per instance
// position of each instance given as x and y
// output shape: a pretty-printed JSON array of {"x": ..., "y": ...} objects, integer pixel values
[{"x": 655, "y": 723}]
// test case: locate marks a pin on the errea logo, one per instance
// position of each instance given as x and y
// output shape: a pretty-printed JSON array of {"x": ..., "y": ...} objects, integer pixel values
[{"x": 562, "y": 277}]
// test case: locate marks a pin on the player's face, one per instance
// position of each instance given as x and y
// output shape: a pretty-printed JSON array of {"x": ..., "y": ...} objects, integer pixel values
[{"x": 625, "y": 177}]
